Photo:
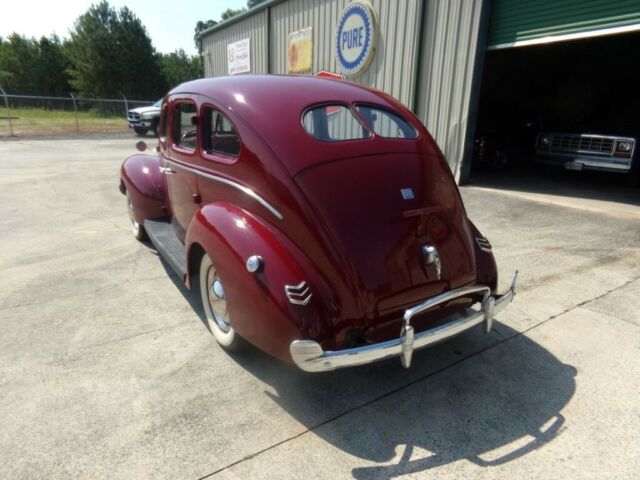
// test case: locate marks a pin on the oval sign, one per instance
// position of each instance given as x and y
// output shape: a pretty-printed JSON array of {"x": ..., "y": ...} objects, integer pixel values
[{"x": 355, "y": 38}]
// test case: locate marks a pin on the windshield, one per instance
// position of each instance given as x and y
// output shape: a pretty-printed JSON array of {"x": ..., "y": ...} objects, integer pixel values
[{"x": 158, "y": 103}]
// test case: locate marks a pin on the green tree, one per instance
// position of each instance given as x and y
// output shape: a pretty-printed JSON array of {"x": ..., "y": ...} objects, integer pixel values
[
  {"x": 201, "y": 27},
  {"x": 51, "y": 68},
  {"x": 18, "y": 61},
  {"x": 111, "y": 54},
  {"x": 230, "y": 12},
  {"x": 226, "y": 15},
  {"x": 178, "y": 67},
  {"x": 35, "y": 67}
]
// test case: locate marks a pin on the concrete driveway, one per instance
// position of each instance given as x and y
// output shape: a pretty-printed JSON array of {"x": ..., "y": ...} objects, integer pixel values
[{"x": 106, "y": 370}]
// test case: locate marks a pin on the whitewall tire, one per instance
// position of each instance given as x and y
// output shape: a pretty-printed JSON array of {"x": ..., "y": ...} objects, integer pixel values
[{"x": 215, "y": 306}]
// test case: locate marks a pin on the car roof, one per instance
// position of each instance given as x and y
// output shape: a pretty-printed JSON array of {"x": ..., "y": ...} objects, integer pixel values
[{"x": 273, "y": 105}]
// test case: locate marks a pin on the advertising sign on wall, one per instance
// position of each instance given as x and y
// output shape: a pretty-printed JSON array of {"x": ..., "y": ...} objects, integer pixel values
[
  {"x": 355, "y": 38},
  {"x": 238, "y": 57},
  {"x": 300, "y": 52}
]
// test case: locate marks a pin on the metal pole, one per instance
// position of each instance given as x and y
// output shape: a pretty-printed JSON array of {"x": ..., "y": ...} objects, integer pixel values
[
  {"x": 6, "y": 104},
  {"x": 75, "y": 109},
  {"x": 417, "y": 62},
  {"x": 126, "y": 107}
]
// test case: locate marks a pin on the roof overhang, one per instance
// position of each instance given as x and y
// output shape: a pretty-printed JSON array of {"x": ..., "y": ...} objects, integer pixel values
[
  {"x": 567, "y": 37},
  {"x": 241, "y": 16}
]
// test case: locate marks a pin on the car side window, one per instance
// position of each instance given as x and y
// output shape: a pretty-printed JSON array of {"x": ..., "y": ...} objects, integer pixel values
[
  {"x": 386, "y": 124},
  {"x": 333, "y": 123},
  {"x": 220, "y": 136},
  {"x": 184, "y": 128}
]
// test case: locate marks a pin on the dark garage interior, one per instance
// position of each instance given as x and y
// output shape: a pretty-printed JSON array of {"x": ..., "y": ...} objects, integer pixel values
[{"x": 586, "y": 86}]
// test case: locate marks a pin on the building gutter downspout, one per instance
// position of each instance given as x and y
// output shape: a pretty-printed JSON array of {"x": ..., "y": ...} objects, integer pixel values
[{"x": 417, "y": 71}]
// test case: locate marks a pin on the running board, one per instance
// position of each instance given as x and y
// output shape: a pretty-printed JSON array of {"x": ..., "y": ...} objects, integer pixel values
[{"x": 163, "y": 236}]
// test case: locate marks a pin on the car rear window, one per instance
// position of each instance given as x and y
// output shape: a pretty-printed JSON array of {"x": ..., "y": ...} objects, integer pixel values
[
  {"x": 385, "y": 123},
  {"x": 333, "y": 123}
]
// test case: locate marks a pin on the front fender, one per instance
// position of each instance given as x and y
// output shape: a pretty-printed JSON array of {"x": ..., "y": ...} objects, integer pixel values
[
  {"x": 144, "y": 182},
  {"x": 257, "y": 304}
]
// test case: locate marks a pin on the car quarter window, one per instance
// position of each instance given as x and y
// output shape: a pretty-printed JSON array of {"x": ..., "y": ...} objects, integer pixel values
[
  {"x": 219, "y": 134},
  {"x": 184, "y": 130},
  {"x": 333, "y": 123},
  {"x": 386, "y": 124}
]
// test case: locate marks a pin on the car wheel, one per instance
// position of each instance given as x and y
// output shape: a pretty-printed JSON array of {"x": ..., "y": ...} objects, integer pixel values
[
  {"x": 154, "y": 128},
  {"x": 141, "y": 131},
  {"x": 215, "y": 306},
  {"x": 137, "y": 229}
]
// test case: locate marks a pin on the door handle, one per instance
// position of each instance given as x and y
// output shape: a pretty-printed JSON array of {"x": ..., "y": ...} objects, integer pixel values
[{"x": 167, "y": 171}]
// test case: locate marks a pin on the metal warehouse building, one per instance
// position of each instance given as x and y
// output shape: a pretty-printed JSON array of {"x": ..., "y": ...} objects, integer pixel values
[{"x": 439, "y": 57}]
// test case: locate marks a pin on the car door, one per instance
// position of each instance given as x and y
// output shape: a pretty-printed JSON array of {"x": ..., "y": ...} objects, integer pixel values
[{"x": 181, "y": 155}]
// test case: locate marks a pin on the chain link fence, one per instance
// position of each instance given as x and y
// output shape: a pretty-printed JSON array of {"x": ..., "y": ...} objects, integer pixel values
[{"x": 30, "y": 115}]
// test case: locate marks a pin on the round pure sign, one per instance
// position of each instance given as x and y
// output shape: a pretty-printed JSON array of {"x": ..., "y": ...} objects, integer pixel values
[{"x": 355, "y": 38}]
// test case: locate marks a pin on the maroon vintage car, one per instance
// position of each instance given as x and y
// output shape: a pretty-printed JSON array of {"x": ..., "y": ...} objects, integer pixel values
[{"x": 317, "y": 218}]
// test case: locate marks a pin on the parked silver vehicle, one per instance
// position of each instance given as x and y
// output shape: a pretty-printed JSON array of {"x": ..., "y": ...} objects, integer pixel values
[
  {"x": 587, "y": 151},
  {"x": 143, "y": 119}
]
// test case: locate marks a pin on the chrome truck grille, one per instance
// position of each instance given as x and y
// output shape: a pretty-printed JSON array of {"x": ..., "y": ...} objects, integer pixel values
[{"x": 594, "y": 144}]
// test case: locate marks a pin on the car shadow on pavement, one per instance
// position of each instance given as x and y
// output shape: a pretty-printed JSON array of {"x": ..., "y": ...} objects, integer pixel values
[
  {"x": 496, "y": 402},
  {"x": 191, "y": 296},
  {"x": 488, "y": 399}
]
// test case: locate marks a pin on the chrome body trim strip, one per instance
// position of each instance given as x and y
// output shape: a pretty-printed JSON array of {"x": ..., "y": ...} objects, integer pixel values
[
  {"x": 231, "y": 183},
  {"x": 309, "y": 356}
]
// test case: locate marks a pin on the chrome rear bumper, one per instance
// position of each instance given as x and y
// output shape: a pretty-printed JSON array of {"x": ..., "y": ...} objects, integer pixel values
[{"x": 309, "y": 356}]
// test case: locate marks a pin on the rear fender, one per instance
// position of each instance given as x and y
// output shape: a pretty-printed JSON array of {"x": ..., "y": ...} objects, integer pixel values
[
  {"x": 257, "y": 303},
  {"x": 486, "y": 267},
  {"x": 141, "y": 178}
]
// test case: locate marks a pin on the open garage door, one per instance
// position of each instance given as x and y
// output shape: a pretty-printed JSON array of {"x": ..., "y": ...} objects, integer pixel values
[
  {"x": 516, "y": 23},
  {"x": 562, "y": 117}
]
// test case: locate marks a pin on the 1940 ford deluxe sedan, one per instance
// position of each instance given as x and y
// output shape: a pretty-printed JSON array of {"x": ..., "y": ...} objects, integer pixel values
[{"x": 317, "y": 218}]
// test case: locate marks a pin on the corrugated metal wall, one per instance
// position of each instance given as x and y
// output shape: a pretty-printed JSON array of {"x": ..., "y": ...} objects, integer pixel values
[
  {"x": 446, "y": 63},
  {"x": 447, "y": 66},
  {"x": 214, "y": 46},
  {"x": 393, "y": 68}
]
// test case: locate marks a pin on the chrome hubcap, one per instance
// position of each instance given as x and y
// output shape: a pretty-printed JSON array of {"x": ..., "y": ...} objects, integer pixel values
[
  {"x": 217, "y": 301},
  {"x": 217, "y": 289}
]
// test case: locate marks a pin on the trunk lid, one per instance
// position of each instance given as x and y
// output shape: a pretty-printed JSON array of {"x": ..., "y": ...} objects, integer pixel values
[{"x": 381, "y": 210}]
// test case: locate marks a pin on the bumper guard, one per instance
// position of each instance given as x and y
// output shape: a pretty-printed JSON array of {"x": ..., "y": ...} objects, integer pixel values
[{"x": 309, "y": 356}]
